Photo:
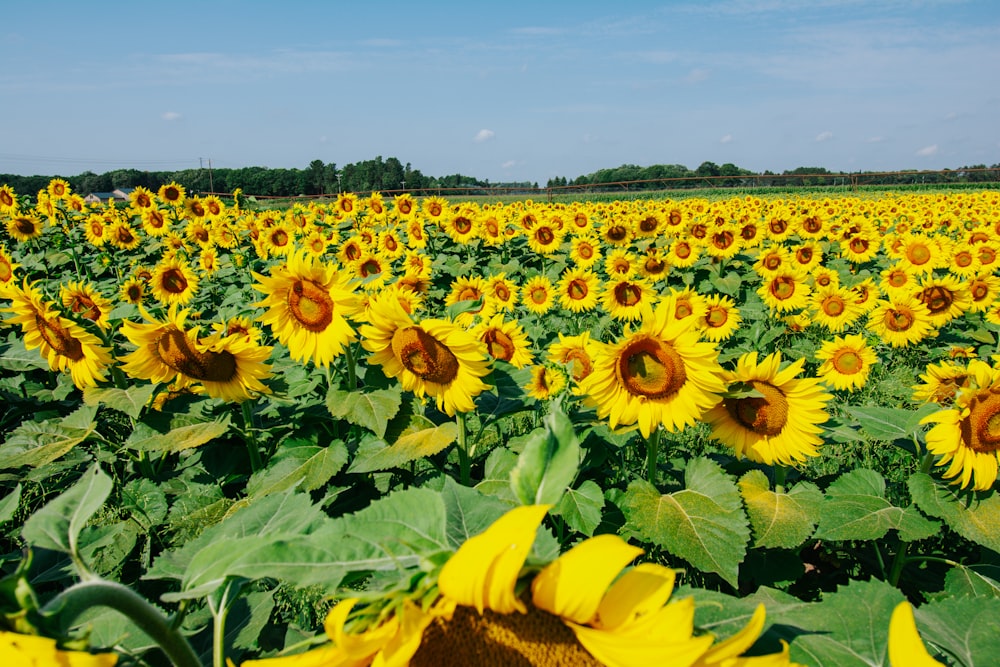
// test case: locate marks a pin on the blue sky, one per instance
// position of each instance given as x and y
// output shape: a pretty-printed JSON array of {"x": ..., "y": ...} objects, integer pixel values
[{"x": 507, "y": 91}]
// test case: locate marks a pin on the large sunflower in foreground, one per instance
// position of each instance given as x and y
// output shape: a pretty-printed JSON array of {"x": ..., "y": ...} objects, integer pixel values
[
  {"x": 770, "y": 415},
  {"x": 661, "y": 374},
  {"x": 308, "y": 304},
  {"x": 967, "y": 436},
  {"x": 906, "y": 648},
  {"x": 436, "y": 357},
  {"x": 65, "y": 345},
  {"x": 588, "y": 607},
  {"x": 35, "y": 651},
  {"x": 230, "y": 367}
]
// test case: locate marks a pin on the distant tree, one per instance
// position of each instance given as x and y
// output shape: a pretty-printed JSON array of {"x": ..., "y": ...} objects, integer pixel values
[{"x": 317, "y": 177}]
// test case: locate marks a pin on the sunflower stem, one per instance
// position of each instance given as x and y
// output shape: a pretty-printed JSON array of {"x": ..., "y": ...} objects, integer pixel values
[
  {"x": 250, "y": 438},
  {"x": 780, "y": 473},
  {"x": 100, "y": 593},
  {"x": 464, "y": 460},
  {"x": 652, "y": 454},
  {"x": 926, "y": 463},
  {"x": 898, "y": 561},
  {"x": 352, "y": 371}
]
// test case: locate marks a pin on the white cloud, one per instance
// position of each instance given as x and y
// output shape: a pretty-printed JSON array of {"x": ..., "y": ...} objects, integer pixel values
[
  {"x": 726, "y": 139},
  {"x": 876, "y": 140},
  {"x": 928, "y": 151},
  {"x": 697, "y": 75},
  {"x": 484, "y": 135},
  {"x": 824, "y": 136},
  {"x": 508, "y": 164},
  {"x": 170, "y": 115}
]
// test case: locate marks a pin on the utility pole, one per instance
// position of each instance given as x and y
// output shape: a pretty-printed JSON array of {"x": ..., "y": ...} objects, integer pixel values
[{"x": 201, "y": 165}]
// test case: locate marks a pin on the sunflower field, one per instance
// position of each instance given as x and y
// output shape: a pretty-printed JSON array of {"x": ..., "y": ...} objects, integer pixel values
[{"x": 751, "y": 431}]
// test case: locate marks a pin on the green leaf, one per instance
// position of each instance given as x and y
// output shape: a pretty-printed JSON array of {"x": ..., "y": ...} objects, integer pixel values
[
  {"x": 549, "y": 462},
  {"x": 371, "y": 409},
  {"x": 890, "y": 423},
  {"x": 980, "y": 580},
  {"x": 856, "y": 509},
  {"x": 9, "y": 504},
  {"x": 147, "y": 439},
  {"x": 849, "y": 628},
  {"x": 14, "y": 356},
  {"x": 105, "y": 548},
  {"x": 298, "y": 463},
  {"x": 411, "y": 446},
  {"x": 145, "y": 502},
  {"x": 581, "y": 507},
  {"x": 507, "y": 395},
  {"x": 782, "y": 520},
  {"x": 36, "y": 444},
  {"x": 57, "y": 525},
  {"x": 246, "y": 620},
  {"x": 966, "y": 630},
  {"x": 468, "y": 511},
  {"x": 496, "y": 475},
  {"x": 131, "y": 401},
  {"x": 974, "y": 516},
  {"x": 703, "y": 523}
]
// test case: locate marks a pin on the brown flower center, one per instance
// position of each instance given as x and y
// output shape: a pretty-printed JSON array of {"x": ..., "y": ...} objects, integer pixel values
[
  {"x": 783, "y": 287},
  {"x": 58, "y": 337},
  {"x": 981, "y": 429},
  {"x": 918, "y": 253},
  {"x": 463, "y": 225},
  {"x": 682, "y": 250},
  {"x": 764, "y": 415},
  {"x": 499, "y": 345},
  {"x": 937, "y": 298},
  {"x": 173, "y": 281},
  {"x": 899, "y": 320},
  {"x": 716, "y": 317},
  {"x": 627, "y": 294},
  {"x": 424, "y": 355},
  {"x": 847, "y": 362},
  {"x": 833, "y": 306},
  {"x": 310, "y": 305},
  {"x": 577, "y": 289},
  {"x": 176, "y": 351},
  {"x": 617, "y": 233},
  {"x": 650, "y": 368}
]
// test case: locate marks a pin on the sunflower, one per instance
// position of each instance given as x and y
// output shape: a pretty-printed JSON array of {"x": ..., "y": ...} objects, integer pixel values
[
  {"x": 578, "y": 290},
  {"x": 308, "y": 304},
  {"x": 983, "y": 289},
  {"x": 346, "y": 205},
  {"x": 807, "y": 256},
  {"x": 688, "y": 303},
  {"x": 627, "y": 299},
  {"x": 65, "y": 345},
  {"x": 965, "y": 262},
  {"x": 173, "y": 281},
  {"x": 133, "y": 291},
  {"x": 546, "y": 382},
  {"x": 155, "y": 222},
  {"x": 467, "y": 290},
  {"x": 898, "y": 279},
  {"x": 575, "y": 353},
  {"x": 404, "y": 206},
  {"x": 721, "y": 318},
  {"x": 538, "y": 295},
  {"x": 545, "y": 238},
  {"x": 941, "y": 382},
  {"x": 7, "y": 267},
  {"x": 95, "y": 229},
  {"x": 772, "y": 259},
  {"x": 460, "y": 225},
  {"x": 502, "y": 292},
  {"x": 653, "y": 266},
  {"x": 389, "y": 245},
  {"x": 230, "y": 368},
  {"x": 786, "y": 290},
  {"x": 372, "y": 270},
  {"x": 587, "y": 607},
  {"x": 920, "y": 254},
  {"x": 32, "y": 650},
  {"x": 906, "y": 648},
  {"x": 946, "y": 298},
  {"x": 900, "y": 321},
  {"x": 834, "y": 307},
  {"x": 24, "y": 226},
  {"x": 682, "y": 253},
  {"x": 123, "y": 236},
  {"x": 491, "y": 226},
  {"x": 621, "y": 263},
  {"x": 966, "y": 436},
  {"x": 504, "y": 340},
  {"x": 585, "y": 251},
  {"x": 723, "y": 242},
  {"x": 860, "y": 248},
  {"x": 847, "y": 361},
  {"x": 84, "y": 300},
  {"x": 769, "y": 415},
  {"x": 172, "y": 194},
  {"x": 435, "y": 357},
  {"x": 8, "y": 200},
  {"x": 433, "y": 208},
  {"x": 661, "y": 374}
]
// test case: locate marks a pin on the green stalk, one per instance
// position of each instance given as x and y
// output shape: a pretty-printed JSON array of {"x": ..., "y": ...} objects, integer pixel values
[
  {"x": 652, "y": 454},
  {"x": 76, "y": 599},
  {"x": 250, "y": 438},
  {"x": 464, "y": 460},
  {"x": 780, "y": 473},
  {"x": 219, "y": 627},
  {"x": 352, "y": 371}
]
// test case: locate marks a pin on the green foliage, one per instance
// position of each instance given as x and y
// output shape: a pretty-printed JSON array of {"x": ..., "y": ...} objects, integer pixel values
[
  {"x": 856, "y": 509},
  {"x": 779, "y": 519}
]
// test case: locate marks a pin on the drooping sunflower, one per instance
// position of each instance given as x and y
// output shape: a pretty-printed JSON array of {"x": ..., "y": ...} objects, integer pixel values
[
  {"x": 65, "y": 345},
  {"x": 504, "y": 340},
  {"x": 660, "y": 375},
  {"x": 8, "y": 200},
  {"x": 308, "y": 305},
  {"x": 538, "y": 294},
  {"x": 228, "y": 367},
  {"x": 173, "y": 282},
  {"x": 85, "y": 301},
  {"x": 588, "y": 607},
  {"x": 966, "y": 436},
  {"x": 941, "y": 382},
  {"x": 578, "y": 290},
  {"x": 434, "y": 357},
  {"x": 900, "y": 321},
  {"x": 770, "y": 415},
  {"x": 847, "y": 362}
]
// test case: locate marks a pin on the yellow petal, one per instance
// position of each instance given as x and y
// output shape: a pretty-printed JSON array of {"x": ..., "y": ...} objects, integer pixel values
[
  {"x": 356, "y": 648},
  {"x": 402, "y": 647},
  {"x": 738, "y": 643},
  {"x": 642, "y": 590},
  {"x": 617, "y": 650},
  {"x": 484, "y": 570},
  {"x": 573, "y": 585},
  {"x": 906, "y": 649}
]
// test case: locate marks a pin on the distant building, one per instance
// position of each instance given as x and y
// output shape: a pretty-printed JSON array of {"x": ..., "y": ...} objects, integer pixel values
[{"x": 120, "y": 194}]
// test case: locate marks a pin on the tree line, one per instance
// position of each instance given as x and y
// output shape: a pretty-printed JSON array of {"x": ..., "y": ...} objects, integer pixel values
[{"x": 389, "y": 175}]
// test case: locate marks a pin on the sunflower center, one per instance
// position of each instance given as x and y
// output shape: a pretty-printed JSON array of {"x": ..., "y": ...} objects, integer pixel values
[
  {"x": 85, "y": 307},
  {"x": 370, "y": 268},
  {"x": 899, "y": 320},
  {"x": 764, "y": 415},
  {"x": 627, "y": 294},
  {"x": 683, "y": 309},
  {"x": 501, "y": 293},
  {"x": 6, "y": 271},
  {"x": 847, "y": 362},
  {"x": 617, "y": 233},
  {"x": 803, "y": 255},
  {"x": 580, "y": 364},
  {"x": 463, "y": 225},
  {"x": 963, "y": 259},
  {"x": 981, "y": 429},
  {"x": 772, "y": 262},
  {"x": 539, "y": 295},
  {"x": 783, "y": 287},
  {"x": 424, "y": 355},
  {"x": 651, "y": 368},
  {"x": 279, "y": 237},
  {"x": 979, "y": 290},
  {"x": 173, "y": 281},
  {"x": 310, "y": 305},
  {"x": 833, "y": 306},
  {"x": 858, "y": 245},
  {"x": 682, "y": 250},
  {"x": 938, "y": 299},
  {"x": 59, "y": 338},
  {"x": 777, "y": 226},
  {"x": 654, "y": 266},
  {"x": 500, "y": 640},
  {"x": 577, "y": 289},
  {"x": 25, "y": 226},
  {"x": 544, "y": 235},
  {"x": 898, "y": 278},
  {"x": 723, "y": 240},
  {"x": 716, "y": 317},
  {"x": 499, "y": 345},
  {"x": 918, "y": 253}
]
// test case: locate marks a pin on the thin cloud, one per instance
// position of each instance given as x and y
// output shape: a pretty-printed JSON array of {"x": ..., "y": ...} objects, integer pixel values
[
  {"x": 170, "y": 115},
  {"x": 824, "y": 136},
  {"x": 726, "y": 139},
  {"x": 508, "y": 164},
  {"x": 484, "y": 135},
  {"x": 927, "y": 151},
  {"x": 697, "y": 75}
]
